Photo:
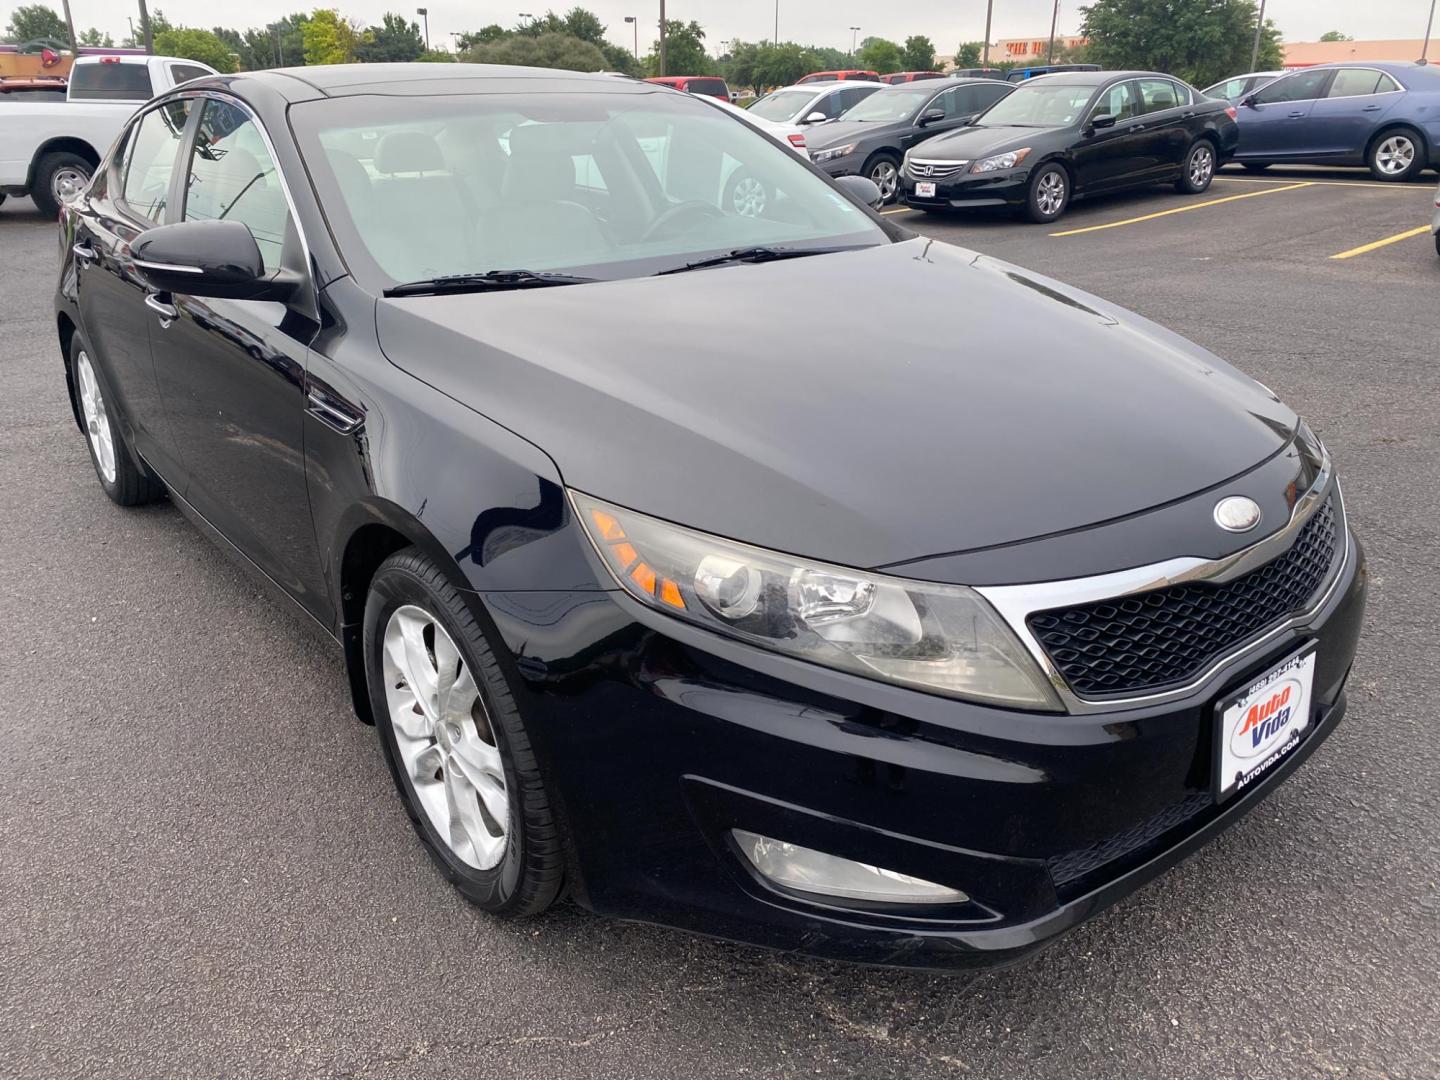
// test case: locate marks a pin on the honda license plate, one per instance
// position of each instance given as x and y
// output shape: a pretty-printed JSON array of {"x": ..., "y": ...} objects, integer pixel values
[
  {"x": 1263, "y": 724},
  {"x": 925, "y": 189}
]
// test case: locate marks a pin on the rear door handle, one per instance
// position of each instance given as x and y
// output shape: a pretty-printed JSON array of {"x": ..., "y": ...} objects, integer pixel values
[
  {"x": 167, "y": 312},
  {"x": 1371, "y": 108},
  {"x": 1295, "y": 115}
]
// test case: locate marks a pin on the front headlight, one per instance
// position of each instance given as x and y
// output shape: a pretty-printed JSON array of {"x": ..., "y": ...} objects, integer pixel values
[
  {"x": 942, "y": 638},
  {"x": 833, "y": 152},
  {"x": 1000, "y": 161}
]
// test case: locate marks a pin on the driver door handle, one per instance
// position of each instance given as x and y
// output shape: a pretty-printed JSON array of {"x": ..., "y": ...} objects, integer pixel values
[
  {"x": 84, "y": 252},
  {"x": 167, "y": 312}
]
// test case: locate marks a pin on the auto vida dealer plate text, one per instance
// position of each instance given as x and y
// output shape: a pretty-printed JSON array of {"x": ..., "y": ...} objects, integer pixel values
[
  {"x": 925, "y": 189},
  {"x": 1263, "y": 723}
]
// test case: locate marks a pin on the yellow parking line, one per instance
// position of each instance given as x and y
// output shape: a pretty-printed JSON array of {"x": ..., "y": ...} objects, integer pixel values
[
  {"x": 1363, "y": 248},
  {"x": 1401, "y": 186},
  {"x": 1181, "y": 209},
  {"x": 902, "y": 210}
]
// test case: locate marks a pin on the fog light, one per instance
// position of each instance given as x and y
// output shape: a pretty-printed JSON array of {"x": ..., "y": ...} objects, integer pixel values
[{"x": 811, "y": 871}]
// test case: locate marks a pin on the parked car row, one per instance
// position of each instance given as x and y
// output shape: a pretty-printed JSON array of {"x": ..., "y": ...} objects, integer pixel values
[{"x": 849, "y": 642}]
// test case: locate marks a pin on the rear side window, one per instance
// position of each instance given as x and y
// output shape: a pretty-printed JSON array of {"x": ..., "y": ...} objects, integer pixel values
[
  {"x": 124, "y": 82},
  {"x": 1355, "y": 82},
  {"x": 1157, "y": 95},
  {"x": 232, "y": 178},
  {"x": 1302, "y": 87},
  {"x": 185, "y": 72},
  {"x": 150, "y": 159}
]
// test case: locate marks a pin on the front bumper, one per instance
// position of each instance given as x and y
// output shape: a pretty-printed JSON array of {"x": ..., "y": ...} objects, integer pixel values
[
  {"x": 1005, "y": 187},
  {"x": 845, "y": 165},
  {"x": 658, "y": 739}
]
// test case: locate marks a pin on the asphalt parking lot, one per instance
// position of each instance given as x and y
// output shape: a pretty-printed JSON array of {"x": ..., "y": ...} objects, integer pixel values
[{"x": 204, "y": 870}]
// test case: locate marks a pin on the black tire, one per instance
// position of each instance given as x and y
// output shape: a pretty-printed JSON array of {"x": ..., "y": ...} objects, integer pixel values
[
  {"x": 42, "y": 187},
  {"x": 127, "y": 481},
  {"x": 1197, "y": 169},
  {"x": 1381, "y": 156},
  {"x": 883, "y": 164},
  {"x": 746, "y": 194},
  {"x": 1254, "y": 166},
  {"x": 1038, "y": 208},
  {"x": 1437, "y": 243},
  {"x": 530, "y": 873}
]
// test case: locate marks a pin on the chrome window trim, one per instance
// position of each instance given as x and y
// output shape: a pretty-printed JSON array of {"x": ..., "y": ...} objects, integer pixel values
[
  {"x": 1016, "y": 603},
  {"x": 1400, "y": 87}
]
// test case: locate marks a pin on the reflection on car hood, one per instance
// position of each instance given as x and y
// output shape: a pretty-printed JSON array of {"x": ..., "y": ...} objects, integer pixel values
[
  {"x": 840, "y": 132},
  {"x": 974, "y": 143},
  {"x": 939, "y": 401}
]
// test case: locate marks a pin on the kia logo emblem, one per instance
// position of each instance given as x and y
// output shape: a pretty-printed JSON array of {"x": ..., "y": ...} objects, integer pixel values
[{"x": 1237, "y": 514}]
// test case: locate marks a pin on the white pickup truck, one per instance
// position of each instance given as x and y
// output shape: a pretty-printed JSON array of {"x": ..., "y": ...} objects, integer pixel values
[{"x": 48, "y": 149}]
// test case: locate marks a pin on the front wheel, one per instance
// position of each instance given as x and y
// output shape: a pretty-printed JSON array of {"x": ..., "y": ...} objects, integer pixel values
[
  {"x": 1397, "y": 155},
  {"x": 746, "y": 194},
  {"x": 126, "y": 481},
  {"x": 884, "y": 170},
  {"x": 1048, "y": 195},
  {"x": 59, "y": 177},
  {"x": 1198, "y": 169},
  {"x": 453, "y": 738}
]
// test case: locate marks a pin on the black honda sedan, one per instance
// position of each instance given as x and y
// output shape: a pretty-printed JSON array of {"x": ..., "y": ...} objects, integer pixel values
[
  {"x": 872, "y": 137},
  {"x": 863, "y": 645},
  {"x": 1064, "y": 137}
]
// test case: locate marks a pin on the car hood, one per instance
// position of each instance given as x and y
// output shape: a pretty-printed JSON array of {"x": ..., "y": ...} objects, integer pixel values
[
  {"x": 973, "y": 143},
  {"x": 839, "y": 132},
  {"x": 937, "y": 401}
]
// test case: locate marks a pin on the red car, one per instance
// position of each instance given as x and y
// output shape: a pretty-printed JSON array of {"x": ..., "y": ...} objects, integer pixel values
[
  {"x": 706, "y": 85},
  {"x": 838, "y": 76},
  {"x": 910, "y": 76}
]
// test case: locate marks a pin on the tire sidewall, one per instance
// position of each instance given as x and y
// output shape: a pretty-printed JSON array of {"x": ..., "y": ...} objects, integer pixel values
[
  {"x": 1186, "y": 183},
  {"x": 1416, "y": 167},
  {"x": 873, "y": 161},
  {"x": 48, "y": 165},
  {"x": 394, "y": 587},
  {"x": 1032, "y": 196},
  {"x": 114, "y": 489}
]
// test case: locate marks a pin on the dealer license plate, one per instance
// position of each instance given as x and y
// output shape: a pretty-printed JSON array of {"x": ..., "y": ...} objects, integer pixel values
[
  {"x": 925, "y": 189},
  {"x": 1263, "y": 724}
]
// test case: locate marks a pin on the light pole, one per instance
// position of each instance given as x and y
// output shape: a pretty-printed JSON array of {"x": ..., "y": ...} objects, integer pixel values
[
  {"x": 1259, "y": 25},
  {"x": 854, "y": 32},
  {"x": 777, "y": 22},
  {"x": 662, "y": 38},
  {"x": 1054, "y": 19},
  {"x": 424, "y": 13},
  {"x": 1428, "y": 24},
  {"x": 985, "y": 52},
  {"x": 145, "y": 29},
  {"x": 635, "y": 23}
]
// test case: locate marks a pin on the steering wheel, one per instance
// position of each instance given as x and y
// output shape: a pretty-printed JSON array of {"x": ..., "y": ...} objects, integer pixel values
[{"x": 690, "y": 208}]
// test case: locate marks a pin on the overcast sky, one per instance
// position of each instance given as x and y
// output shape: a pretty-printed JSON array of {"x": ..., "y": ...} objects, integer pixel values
[{"x": 820, "y": 22}]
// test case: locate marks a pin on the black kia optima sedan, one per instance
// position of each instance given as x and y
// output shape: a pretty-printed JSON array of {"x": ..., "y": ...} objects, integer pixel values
[
  {"x": 1063, "y": 137},
  {"x": 864, "y": 644}
]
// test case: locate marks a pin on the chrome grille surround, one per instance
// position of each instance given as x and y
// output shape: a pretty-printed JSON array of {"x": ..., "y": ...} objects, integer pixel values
[{"x": 934, "y": 169}]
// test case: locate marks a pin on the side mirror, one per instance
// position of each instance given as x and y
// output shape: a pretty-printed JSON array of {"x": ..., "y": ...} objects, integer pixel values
[
  {"x": 208, "y": 258},
  {"x": 816, "y": 117},
  {"x": 862, "y": 188},
  {"x": 930, "y": 116},
  {"x": 1249, "y": 101},
  {"x": 1106, "y": 121}
]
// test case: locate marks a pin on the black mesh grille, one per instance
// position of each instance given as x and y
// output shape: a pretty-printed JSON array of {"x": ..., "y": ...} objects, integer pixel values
[
  {"x": 1166, "y": 636},
  {"x": 1074, "y": 865}
]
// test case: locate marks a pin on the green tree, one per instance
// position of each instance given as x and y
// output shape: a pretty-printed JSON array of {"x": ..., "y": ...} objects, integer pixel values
[
  {"x": 918, "y": 54},
  {"x": 546, "y": 50},
  {"x": 1335, "y": 35},
  {"x": 1200, "y": 41},
  {"x": 435, "y": 56},
  {"x": 329, "y": 39},
  {"x": 483, "y": 36},
  {"x": 880, "y": 55},
  {"x": 195, "y": 44},
  {"x": 95, "y": 39},
  {"x": 684, "y": 51},
  {"x": 585, "y": 25},
  {"x": 32, "y": 22},
  {"x": 394, "y": 41},
  {"x": 968, "y": 54}
]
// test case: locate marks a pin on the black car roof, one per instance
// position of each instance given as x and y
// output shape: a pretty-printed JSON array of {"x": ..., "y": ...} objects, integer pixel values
[
  {"x": 1095, "y": 78},
  {"x": 345, "y": 80}
]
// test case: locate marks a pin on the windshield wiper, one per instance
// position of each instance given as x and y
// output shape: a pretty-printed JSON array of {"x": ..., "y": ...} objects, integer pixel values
[
  {"x": 492, "y": 279},
  {"x": 751, "y": 255}
]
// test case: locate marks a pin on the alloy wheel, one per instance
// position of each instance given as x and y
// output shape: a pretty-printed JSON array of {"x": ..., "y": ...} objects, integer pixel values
[
  {"x": 1202, "y": 164},
  {"x": 67, "y": 182},
  {"x": 97, "y": 419},
  {"x": 444, "y": 737},
  {"x": 1395, "y": 155},
  {"x": 1050, "y": 193},
  {"x": 749, "y": 197},
  {"x": 887, "y": 179}
]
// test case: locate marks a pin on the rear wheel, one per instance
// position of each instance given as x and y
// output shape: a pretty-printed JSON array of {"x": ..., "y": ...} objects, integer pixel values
[
  {"x": 1397, "y": 155},
  {"x": 1198, "y": 169},
  {"x": 59, "y": 177},
  {"x": 456, "y": 746},
  {"x": 125, "y": 480},
  {"x": 746, "y": 194},
  {"x": 884, "y": 169},
  {"x": 1049, "y": 194}
]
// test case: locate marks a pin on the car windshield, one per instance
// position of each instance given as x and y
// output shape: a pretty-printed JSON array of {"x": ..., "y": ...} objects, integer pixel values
[
  {"x": 782, "y": 104},
  {"x": 602, "y": 185},
  {"x": 890, "y": 105},
  {"x": 1039, "y": 104}
]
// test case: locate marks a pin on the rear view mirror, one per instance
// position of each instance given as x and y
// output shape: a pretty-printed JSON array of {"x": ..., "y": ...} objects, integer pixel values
[
  {"x": 816, "y": 117},
  {"x": 930, "y": 116},
  {"x": 862, "y": 188},
  {"x": 208, "y": 258}
]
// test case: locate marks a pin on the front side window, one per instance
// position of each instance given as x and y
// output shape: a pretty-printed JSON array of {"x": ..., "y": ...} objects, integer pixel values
[
  {"x": 604, "y": 185},
  {"x": 1040, "y": 104},
  {"x": 232, "y": 178},
  {"x": 1354, "y": 82},
  {"x": 1302, "y": 87},
  {"x": 1119, "y": 101},
  {"x": 150, "y": 159}
]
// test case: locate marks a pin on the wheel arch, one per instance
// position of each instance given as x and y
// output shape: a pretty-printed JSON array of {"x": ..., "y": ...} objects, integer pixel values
[
  {"x": 66, "y": 329},
  {"x": 1399, "y": 125},
  {"x": 61, "y": 144}
]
